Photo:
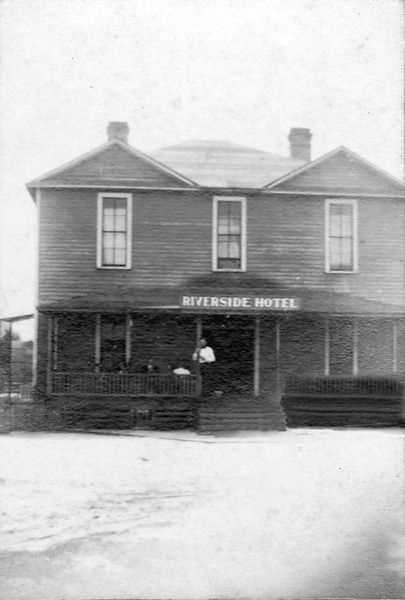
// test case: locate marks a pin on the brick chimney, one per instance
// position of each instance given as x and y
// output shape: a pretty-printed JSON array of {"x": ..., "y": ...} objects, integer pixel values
[
  {"x": 300, "y": 143},
  {"x": 118, "y": 130}
]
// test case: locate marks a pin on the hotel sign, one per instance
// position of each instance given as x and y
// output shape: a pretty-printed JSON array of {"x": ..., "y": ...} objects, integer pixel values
[{"x": 240, "y": 302}]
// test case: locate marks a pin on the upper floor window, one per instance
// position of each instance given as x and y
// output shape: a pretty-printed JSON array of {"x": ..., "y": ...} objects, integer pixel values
[
  {"x": 114, "y": 231},
  {"x": 229, "y": 234},
  {"x": 341, "y": 236}
]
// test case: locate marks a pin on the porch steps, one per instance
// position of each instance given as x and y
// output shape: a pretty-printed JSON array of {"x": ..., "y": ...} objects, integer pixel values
[{"x": 233, "y": 413}]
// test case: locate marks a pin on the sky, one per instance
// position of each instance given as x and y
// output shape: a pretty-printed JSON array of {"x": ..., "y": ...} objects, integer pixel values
[{"x": 245, "y": 71}]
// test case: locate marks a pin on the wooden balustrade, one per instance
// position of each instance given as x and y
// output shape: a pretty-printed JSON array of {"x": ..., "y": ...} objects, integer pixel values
[
  {"x": 125, "y": 384},
  {"x": 344, "y": 386}
]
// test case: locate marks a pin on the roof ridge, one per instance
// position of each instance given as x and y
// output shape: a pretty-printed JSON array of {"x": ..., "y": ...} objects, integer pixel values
[{"x": 213, "y": 145}]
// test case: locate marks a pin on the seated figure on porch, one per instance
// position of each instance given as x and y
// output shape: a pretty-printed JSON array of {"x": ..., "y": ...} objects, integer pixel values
[
  {"x": 181, "y": 368},
  {"x": 149, "y": 385},
  {"x": 150, "y": 367}
]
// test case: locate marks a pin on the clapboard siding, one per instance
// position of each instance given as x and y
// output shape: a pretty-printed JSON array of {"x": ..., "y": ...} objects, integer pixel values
[
  {"x": 172, "y": 236},
  {"x": 286, "y": 244},
  {"x": 114, "y": 165},
  {"x": 341, "y": 172}
]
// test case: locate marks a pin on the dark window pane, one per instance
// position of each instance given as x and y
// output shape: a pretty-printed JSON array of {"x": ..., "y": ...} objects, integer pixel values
[
  {"x": 229, "y": 263},
  {"x": 234, "y": 209},
  {"x": 109, "y": 203}
]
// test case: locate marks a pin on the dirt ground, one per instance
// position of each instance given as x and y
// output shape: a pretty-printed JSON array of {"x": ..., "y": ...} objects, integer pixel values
[{"x": 302, "y": 513}]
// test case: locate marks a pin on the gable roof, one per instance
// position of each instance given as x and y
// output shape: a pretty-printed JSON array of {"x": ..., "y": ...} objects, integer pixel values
[
  {"x": 112, "y": 164},
  {"x": 340, "y": 170},
  {"x": 225, "y": 164},
  {"x": 198, "y": 163}
]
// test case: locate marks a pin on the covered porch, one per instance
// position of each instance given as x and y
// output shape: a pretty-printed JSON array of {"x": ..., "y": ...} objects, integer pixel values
[
  {"x": 105, "y": 354},
  {"x": 91, "y": 359}
]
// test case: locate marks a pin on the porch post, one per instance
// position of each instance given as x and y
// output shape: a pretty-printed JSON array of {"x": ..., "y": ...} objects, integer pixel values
[
  {"x": 97, "y": 343},
  {"x": 49, "y": 355},
  {"x": 55, "y": 343},
  {"x": 10, "y": 360},
  {"x": 128, "y": 325},
  {"x": 394, "y": 347},
  {"x": 199, "y": 329},
  {"x": 327, "y": 348},
  {"x": 355, "y": 347},
  {"x": 256, "y": 384},
  {"x": 199, "y": 336},
  {"x": 35, "y": 347},
  {"x": 278, "y": 361},
  {"x": 37, "y": 317}
]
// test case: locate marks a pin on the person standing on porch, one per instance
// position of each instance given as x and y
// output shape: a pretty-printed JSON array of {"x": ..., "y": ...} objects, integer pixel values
[{"x": 205, "y": 358}]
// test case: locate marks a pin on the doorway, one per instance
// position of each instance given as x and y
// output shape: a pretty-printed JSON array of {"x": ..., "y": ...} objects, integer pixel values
[{"x": 232, "y": 339}]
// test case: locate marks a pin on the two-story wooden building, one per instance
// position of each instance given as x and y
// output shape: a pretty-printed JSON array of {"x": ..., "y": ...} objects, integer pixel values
[{"x": 286, "y": 266}]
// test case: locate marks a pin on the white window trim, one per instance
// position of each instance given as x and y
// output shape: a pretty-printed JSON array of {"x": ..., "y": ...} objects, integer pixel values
[
  {"x": 355, "y": 235},
  {"x": 217, "y": 199},
  {"x": 128, "y": 198}
]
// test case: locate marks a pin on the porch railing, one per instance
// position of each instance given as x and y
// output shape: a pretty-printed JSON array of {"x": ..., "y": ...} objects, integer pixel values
[
  {"x": 344, "y": 386},
  {"x": 124, "y": 384}
]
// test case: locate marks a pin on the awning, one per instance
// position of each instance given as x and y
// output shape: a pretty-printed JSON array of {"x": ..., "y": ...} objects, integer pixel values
[{"x": 300, "y": 300}]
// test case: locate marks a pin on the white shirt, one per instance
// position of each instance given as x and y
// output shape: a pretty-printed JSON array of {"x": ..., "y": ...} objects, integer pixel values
[{"x": 204, "y": 355}]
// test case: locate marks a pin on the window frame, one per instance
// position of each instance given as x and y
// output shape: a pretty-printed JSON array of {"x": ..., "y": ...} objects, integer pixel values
[
  {"x": 242, "y": 201},
  {"x": 100, "y": 198},
  {"x": 353, "y": 203}
]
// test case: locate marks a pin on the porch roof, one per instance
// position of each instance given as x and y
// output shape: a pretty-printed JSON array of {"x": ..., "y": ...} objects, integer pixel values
[
  {"x": 129, "y": 299},
  {"x": 17, "y": 318}
]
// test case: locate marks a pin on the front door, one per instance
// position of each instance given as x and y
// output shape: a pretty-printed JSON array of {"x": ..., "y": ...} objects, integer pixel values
[{"x": 232, "y": 339}]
